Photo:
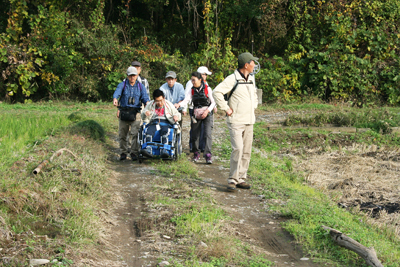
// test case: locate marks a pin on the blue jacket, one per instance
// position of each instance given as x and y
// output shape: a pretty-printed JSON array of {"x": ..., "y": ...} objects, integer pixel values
[
  {"x": 137, "y": 92},
  {"x": 174, "y": 94}
]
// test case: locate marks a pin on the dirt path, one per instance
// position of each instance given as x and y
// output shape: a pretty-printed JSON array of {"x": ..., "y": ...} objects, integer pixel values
[{"x": 255, "y": 225}]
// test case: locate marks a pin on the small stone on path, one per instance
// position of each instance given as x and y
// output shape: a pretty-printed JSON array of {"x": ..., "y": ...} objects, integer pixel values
[
  {"x": 163, "y": 263},
  {"x": 35, "y": 262},
  {"x": 304, "y": 259}
]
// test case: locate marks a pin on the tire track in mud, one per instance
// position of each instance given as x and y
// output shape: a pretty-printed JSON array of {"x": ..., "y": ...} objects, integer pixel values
[{"x": 254, "y": 225}]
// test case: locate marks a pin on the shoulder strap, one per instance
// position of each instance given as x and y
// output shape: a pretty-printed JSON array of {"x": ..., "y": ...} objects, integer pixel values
[
  {"x": 233, "y": 89},
  {"x": 205, "y": 90},
  {"x": 235, "y": 86},
  {"x": 123, "y": 89}
]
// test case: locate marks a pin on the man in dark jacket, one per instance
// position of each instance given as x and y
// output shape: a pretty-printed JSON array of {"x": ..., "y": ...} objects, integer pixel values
[{"x": 129, "y": 97}]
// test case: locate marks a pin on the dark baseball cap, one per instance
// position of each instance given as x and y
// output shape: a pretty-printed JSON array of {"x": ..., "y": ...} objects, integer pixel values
[
  {"x": 136, "y": 64},
  {"x": 245, "y": 58}
]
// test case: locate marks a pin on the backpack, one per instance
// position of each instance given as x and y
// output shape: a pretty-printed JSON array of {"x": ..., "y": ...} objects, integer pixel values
[
  {"x": 202, "y": 101},
  {"x": 228, "y": 95}
]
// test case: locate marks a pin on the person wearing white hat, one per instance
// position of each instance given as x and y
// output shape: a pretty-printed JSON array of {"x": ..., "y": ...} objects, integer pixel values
[
  {"x": 203, "y": 103},
  {"x": 203, "y": 70},
  {"x": 129, "y": 97}
]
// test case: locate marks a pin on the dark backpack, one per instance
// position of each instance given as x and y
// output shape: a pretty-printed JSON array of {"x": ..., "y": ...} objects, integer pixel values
[{"x": 228, "y": 95}]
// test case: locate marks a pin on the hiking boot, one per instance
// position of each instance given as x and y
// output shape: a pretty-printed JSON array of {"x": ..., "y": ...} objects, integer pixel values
[
  {"x": 164, "y": 153},
  {"x": 147, "y": 152},
  {"x": 122, "y": 157},
  {"x": 196, "y": 156},
  {"x": 133, "y": 157},
  {"x": 208, "y": 158},
  {"x": 231, "y": 187},
  {"x": 243, "y": 185}
]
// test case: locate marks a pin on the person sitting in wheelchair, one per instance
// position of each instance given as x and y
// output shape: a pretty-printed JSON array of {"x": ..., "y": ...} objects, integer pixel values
[{"x": 160, "y": 115}]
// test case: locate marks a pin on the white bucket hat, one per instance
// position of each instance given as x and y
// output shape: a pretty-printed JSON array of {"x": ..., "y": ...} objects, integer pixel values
[{"x": 204, "y": 69}]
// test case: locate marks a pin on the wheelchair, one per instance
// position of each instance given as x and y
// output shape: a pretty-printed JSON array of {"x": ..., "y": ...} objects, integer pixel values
[{"x": 173, "y": 147}]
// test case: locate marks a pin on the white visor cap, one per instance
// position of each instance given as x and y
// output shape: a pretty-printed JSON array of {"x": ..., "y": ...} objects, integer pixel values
[{"x": 204, "y": 69}]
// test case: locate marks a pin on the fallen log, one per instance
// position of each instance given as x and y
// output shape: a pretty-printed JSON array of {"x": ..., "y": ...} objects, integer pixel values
[
  {"x": 368, "y": 254},
  {"x": 40, "y": 166},
  {"x": 59, "y": 152},
  {"x": 45, "y": 162}
]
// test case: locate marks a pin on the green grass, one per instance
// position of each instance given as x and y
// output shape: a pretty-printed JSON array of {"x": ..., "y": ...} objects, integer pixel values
[
  {"x": 199, "y": 220},
  {"x": 379, "y": 120},
  {"x": 195, "y": 217},
  {"x": 63, "y": 200},
  {"x": 24, "y": 126},
  {"x": 308, "y": 209},
  {"x": 20, "y": 132},
  {"x": 180, "y": 168},
  {"x": 297, "y": 107},
  {"x": 280, "y": 139}
]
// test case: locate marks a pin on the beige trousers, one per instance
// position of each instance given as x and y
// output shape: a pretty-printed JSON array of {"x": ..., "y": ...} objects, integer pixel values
[
  {"x": 128, "y": 135},
  {"x": 241, "y": 142}
]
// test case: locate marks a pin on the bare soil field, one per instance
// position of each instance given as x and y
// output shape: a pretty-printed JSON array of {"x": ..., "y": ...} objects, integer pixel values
[{"x": 361, "y": 177}]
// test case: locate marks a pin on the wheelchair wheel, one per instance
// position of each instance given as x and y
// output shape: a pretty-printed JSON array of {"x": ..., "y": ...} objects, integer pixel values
[
  {"x": 177, "y": 147},
  {"x": 179, "y": 144}
]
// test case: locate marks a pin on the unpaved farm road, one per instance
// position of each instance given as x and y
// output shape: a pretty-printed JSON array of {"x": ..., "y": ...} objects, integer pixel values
[{"x": 127, "y": 246}]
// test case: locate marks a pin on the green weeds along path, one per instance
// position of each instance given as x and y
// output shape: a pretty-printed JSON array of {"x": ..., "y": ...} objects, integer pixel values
[
  {"x": 196, "y": 218},
  {"x": 307, "y": 209}
]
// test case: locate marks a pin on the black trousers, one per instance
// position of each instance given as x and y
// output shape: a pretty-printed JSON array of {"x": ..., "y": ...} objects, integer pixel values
[
  {"x": 202, "y": 140},
  {"x": 208, "y": 124}
]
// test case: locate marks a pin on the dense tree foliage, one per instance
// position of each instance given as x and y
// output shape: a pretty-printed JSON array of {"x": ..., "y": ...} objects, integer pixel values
[{"x": 346, "y": 50}]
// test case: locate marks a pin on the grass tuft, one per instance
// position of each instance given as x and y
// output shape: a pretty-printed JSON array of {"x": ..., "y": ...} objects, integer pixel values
[
  {"x": 380, "y": 120},
  {"x": 89, "y": 128},
  {"x": 76, "y": 116}
]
